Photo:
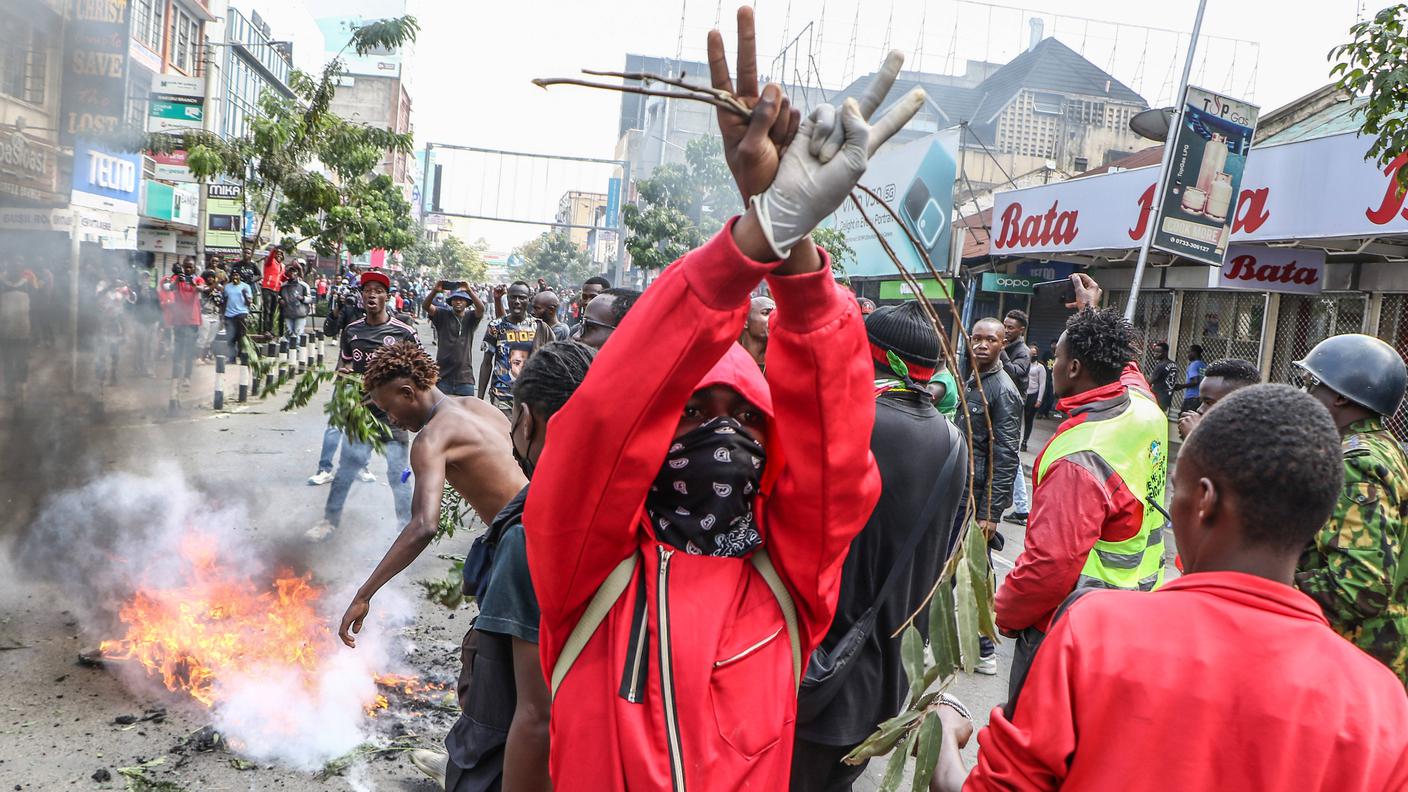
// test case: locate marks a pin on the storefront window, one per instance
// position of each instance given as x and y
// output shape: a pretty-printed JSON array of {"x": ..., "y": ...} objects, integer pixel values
[
  {"x": 1226, "y": 324},
  {"x": 1305, "y": 321},
  {"x": 23, "y": 50},
  {"x": 1393, "y": 328}
]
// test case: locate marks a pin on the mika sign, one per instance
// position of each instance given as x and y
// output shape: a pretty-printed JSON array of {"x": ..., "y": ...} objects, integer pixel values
[{"x": 1286, "y": 270}]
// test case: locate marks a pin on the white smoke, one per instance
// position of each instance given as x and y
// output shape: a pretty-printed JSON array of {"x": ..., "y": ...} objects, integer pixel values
[{"x": 122, "y": 532}]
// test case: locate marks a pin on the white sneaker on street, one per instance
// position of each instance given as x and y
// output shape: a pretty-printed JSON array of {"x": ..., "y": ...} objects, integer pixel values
[
  {"x": 987, "y": 666},
  {"x": 367, "y": 476},
  {"x": 432, "y": 763},
  {"x": 320, "y": 478},
  {"x": 320, "y": 531}
]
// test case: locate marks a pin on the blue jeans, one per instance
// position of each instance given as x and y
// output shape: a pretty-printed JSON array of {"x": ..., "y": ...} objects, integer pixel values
[
  {"x": 295, "y": 328},
  {"x": 354, "y": 458},
  {"x": 466, "y": 389},
  {"x": 1021, "y": 500},
  {"x": 331, "y": 438}
]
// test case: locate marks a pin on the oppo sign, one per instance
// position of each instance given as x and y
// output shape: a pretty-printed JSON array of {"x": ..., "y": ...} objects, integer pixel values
[{"x": 1010, "y": 284}]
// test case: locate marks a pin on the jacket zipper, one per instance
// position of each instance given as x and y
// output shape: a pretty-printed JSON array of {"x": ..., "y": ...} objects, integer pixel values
[
  {"x": 637, "y": 657},
  {"x": 750, "y": 650},
  {"x": 667, "y": 674}
]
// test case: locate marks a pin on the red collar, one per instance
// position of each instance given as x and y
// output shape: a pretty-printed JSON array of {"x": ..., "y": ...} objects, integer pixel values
[{"x": 1102, "y": 393}]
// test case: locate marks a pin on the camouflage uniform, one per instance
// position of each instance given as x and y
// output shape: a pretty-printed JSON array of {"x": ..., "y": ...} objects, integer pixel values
[{"x": 1355, "y": 568}]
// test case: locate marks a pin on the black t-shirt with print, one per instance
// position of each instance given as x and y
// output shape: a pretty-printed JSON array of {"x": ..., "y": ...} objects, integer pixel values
[{"x": 454, "y": 344}]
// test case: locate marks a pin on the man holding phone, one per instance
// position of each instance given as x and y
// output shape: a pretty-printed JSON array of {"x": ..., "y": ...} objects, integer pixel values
[{"x": 454, "y": 335}]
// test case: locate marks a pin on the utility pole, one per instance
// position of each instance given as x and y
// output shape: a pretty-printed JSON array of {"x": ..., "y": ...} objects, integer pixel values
[{"x": 1173, "y": 126}]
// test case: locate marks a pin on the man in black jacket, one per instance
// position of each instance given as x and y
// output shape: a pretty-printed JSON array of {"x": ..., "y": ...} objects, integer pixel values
[
  {"x": 992, "y": 489},
  {"x": 1017, "y": 362},
  {"x": 919, "y": 453}
]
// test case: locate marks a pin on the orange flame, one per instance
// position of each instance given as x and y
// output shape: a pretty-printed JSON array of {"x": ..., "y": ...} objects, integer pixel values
[{"x": 213, "y": 625}]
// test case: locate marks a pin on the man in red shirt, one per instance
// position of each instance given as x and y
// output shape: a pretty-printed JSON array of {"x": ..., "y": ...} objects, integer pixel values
[
  {"x": 1096, "y": 518},
  {"x": 270, "y": 285},
  {"x": 180, "y": 307},
  {"x": 1227, "y": 678}
]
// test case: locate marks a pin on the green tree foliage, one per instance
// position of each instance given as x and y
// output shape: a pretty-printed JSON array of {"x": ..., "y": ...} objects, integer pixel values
[
  {"x": 1372, "y": 65},
  {"x": 833, "y": 241},
  {"x": 448, "y": 259},
  {"x": 344, "y": 205},
  {"x": 555, "y": 258},
  {"x": 681, "y": 206}
]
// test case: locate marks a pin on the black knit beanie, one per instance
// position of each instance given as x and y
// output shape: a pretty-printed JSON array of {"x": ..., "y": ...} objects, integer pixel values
[{"x": 904, "y": 330}]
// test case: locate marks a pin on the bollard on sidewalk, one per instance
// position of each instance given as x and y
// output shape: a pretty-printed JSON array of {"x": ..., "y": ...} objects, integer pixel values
[
  {"x": 173, "y": 402},
  {"x": 269, "y": 350},
  {"x": 219, "y": 382},
  {"x": 283, "y": 361},
  {"x": 322, "y": 342},
  {"x": 244, "y": 378}
]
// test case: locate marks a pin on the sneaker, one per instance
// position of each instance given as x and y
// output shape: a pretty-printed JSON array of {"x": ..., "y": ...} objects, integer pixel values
[
  {"x": 987, "y": 666},
  {"x": 367, "y": 476},
  {"x": 320, "y": 478},
  {"x": 320, "y": 531},
  {"x": 1016, "y": 518},
  {"x": 432, "y": 763}
]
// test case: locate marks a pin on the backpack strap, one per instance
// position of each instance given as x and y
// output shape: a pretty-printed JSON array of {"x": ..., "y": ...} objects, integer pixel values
[
  {"x": 615, "y": 584},
  {"x": 763, "y": 564},
  {"x": 601, "y": 604}
]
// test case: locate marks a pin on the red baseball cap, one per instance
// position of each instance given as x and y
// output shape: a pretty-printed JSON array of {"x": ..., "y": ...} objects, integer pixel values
[{"x": 374, "y": 276}]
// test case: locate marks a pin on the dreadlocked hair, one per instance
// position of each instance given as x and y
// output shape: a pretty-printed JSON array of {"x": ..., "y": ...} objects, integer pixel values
[
  {"x": 552, "y": 375},
  {"x": 1102, "y": 341},
  {"x": 403, "y": 359}
]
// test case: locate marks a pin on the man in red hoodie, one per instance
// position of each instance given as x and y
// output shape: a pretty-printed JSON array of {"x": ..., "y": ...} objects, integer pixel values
[
  {"x": 270, "y": 285},
  {"x": 1225, "y": 679},
  {"x": 689, "y": 518},
  {"x": 1097, "y": 518}
]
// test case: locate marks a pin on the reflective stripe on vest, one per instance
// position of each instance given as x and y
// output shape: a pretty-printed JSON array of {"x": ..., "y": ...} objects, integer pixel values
[{"x": 1125, "y": 438}]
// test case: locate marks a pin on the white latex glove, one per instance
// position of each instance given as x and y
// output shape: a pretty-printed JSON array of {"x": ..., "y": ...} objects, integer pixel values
[{"x": 808, "y": 189}]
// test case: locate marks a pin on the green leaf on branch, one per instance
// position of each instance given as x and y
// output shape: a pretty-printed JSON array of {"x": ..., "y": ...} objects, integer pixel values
[
  {"x": 894, "y": 770},
  {"x": 449, "y": 590},
  {"x": 453, "y": 510},
  {"x": 976, "y": 557},
  {"x": 943, "y": 630},
  {"x": 885, "y": 738},
  {"x": 968, "y": 648},
  {"x": 306, "y": 387},
  {"x": 912, "y": 652},
  {"x": 931, "y": 735},
  {"x": 347, "y": 411}
]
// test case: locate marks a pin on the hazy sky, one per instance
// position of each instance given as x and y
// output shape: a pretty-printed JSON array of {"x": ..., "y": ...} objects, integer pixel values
[{"x": 474, "y": 60}]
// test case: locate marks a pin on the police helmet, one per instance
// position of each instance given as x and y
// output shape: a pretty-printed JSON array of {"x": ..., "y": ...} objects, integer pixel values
[{"x": 1360, "y": 368}]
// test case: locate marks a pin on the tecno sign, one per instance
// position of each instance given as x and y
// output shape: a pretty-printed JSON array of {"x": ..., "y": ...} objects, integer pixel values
[{"x": 1286, "y": 270}]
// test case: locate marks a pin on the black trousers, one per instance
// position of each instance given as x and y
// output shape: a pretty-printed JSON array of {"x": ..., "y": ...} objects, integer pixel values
[
  {"x": 818, "y": 768},
  {"x": 1028, "y": 416}
]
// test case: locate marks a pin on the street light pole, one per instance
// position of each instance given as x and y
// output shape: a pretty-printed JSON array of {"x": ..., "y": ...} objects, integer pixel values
[{"x": 1173, "y": 126}]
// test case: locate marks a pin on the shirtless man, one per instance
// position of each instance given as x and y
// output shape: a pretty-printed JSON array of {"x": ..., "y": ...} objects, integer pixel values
[{"x": 462, "y": 441}]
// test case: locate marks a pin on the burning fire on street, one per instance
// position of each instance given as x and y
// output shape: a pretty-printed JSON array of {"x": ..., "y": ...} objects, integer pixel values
[
  {"x": 214, "y": 626},
  {"x": 185, "y": 599}
]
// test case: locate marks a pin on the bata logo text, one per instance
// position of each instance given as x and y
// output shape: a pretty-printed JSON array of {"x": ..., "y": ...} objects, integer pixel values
[
  {"x": 1246, "y": 268},
  {"x": 1053, "y": 227},
  {"x": 1251, "y": 211}
]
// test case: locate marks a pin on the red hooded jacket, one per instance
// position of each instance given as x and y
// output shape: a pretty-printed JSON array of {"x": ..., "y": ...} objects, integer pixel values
[{"x": 724, "y": 719}]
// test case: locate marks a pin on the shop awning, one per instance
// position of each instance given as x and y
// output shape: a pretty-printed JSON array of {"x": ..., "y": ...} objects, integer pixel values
[{"x": 1315, "y": 193}]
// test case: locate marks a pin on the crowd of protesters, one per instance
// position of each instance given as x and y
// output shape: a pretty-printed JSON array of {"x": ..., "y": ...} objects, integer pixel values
[{"x": 710, "y": 510}]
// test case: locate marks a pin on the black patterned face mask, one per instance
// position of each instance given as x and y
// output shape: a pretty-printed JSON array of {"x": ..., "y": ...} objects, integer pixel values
[{"x": 702, "y": 499}]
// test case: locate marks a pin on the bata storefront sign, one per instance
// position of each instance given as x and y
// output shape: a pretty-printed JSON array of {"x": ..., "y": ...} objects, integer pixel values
[
  {"x": 1313, "y": 189},
  {"x": 1286, "y": 270}
]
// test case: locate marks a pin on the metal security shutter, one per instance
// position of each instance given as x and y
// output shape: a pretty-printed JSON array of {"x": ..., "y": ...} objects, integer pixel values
[
  {"x": 1393, "y": 328},
  {"x": 1305, "y": 321},
  {"x": 1046, "y": 321},
  {"x": 1226, "y": 324}
]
